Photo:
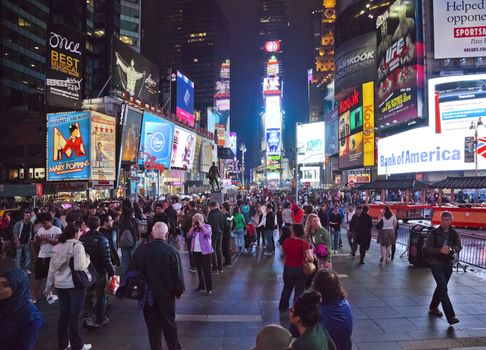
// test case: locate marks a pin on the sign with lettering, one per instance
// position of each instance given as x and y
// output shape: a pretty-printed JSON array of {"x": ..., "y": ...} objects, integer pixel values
[
  {"x": 459, "y": 28},
  {"x": 311, "y": 143},
  {"x": 156, "y": 142},
  {"x": 64, "y": 71}
]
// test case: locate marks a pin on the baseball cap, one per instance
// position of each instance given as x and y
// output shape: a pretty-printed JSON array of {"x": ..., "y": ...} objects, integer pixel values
[{"x": 273, "y": 337}]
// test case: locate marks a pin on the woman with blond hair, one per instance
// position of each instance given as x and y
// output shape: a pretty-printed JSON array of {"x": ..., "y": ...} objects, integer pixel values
[
  {"x": 320, "y": 241},
  {"x": 200, "y": 235}
]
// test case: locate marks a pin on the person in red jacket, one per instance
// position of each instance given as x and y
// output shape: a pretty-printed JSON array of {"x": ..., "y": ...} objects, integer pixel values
[{"x": 297, "y": 214}]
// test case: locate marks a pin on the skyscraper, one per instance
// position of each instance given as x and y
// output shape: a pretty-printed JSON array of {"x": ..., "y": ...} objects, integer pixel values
[
  {"x": 193, "y": 37},
  {"x": 130, "y": 23}
]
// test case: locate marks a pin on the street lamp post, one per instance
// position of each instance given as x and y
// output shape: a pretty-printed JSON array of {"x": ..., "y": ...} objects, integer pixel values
[
  {"x": 296, "y": 163},
  {"x": 243, "y": 151},
  {"x": 475, "y": 126}
]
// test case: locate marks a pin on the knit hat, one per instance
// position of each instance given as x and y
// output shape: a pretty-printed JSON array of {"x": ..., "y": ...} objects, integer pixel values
[{"x": 273, "y": 337}]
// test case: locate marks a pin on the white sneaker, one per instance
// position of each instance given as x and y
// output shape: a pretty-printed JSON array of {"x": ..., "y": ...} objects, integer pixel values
[
  {"x": 86, "y": 347},
  {"x": 53, "y": 297}
]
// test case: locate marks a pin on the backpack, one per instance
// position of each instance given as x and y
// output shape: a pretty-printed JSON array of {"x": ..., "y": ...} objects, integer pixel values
[{"x": 128, "y": 237}]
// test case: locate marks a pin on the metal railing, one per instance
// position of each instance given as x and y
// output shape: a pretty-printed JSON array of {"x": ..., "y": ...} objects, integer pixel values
[{"x": 473, "y": 251}]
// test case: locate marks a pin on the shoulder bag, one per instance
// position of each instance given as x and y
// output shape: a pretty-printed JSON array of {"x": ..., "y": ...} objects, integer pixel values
[
  {"x": 83, "y": 279},
  {"x": 309, "y": 267}
]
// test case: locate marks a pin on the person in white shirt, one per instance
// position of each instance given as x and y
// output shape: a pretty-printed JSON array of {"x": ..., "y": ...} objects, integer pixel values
[
  {"x": 47, "y": 236},
  {"x": 386, "y": 235},
  {"x": 347, "y": 221}
]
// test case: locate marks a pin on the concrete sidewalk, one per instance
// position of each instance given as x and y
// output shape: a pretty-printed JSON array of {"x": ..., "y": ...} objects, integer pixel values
[{"x": 390, "y": 304}]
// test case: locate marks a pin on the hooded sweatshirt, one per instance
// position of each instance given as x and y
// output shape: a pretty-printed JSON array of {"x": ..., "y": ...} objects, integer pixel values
[{"x": 59, "y": 271}]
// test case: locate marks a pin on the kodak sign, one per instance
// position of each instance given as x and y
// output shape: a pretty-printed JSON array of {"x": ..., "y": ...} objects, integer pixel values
[{"x": 368, "y": 125}]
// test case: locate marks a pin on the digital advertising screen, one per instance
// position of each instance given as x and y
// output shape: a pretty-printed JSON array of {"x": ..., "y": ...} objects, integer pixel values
[
  {"x": 273, "y": 112},
  {"x": 206, "y": 156},
  {"x": 233, "y": 142},
  {"x": 272, "y": 67},
  {"x": 273, "y": 163},
  {"x": 332, "y": 137},
  {"x": 185, "y": 99},
  {"x": 455, "y": 102},
  {"x": 223, "y": 104},
  {"x": 271, "y": 86},
  {"x": 134, "y": 74},
  {"x": 103, "y": 147},
  {"x": 402, "y": 154},
  {"x": 156, "y": 142},
  {"x": 183, "y": 147},
  {"x": 400, "y": 56},
  {"x": 310, "y": 143},
  {"x": 351, "y": 151},
  {"x": 68, "y": 146},
  {"x": 131, "y": 128},
  {"x": 64, "y": 71},
  {"x": 273, "y": 138},
  {"x": 359, "y": 176},
  {"x": 459, "y": 31},
  {"x": 310, "y": 174}
]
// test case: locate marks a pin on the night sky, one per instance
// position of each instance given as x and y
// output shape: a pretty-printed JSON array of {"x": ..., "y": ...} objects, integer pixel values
[{"x": 246, "y": 96}]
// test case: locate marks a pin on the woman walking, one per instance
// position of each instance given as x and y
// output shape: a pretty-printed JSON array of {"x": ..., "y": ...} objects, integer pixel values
[
  {"x": 71, "y": 299},
  {"x": 296, "y": 250},
  {"x": 386, "y": 237},
  {"x": 200, "y": 235},
  {"x": 335, "y": 221},
  {"x": 239, "y": 230},
  {"x": 320, "y": 241}
]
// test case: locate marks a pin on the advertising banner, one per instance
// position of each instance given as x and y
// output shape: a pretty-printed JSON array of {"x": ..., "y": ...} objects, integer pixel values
[
  {"x": 206, "y": 156},
  {"x": 310, "y": 143},
  {"x": 183, "y": 147},
  {"x": 368, "y": 124},
  {"x": 273, "y": 137},
  {"x": 351, "y": 151},
  {"x": 310, "y": 174},
  {"x": 132, "y": 123},
  {"x": 359, "y": 176},
  {"x": 272, "y": 67},
  {"x": 273, "y": 163},
  {"x": 222, "y": 104},
  {"x": 273, "y": 112},
  {"x": 220, "y": 134},
  {"x": 156, "y": 142},
  {"x": 133, "y": 73},
  {"x": 185, "y": 99},
  {"x": 332, "y": 137},
  {"x": 400, "y": 55},
  {"x": 64, "y": 71},
  {"x": 459, "y": 28},
  {"x": 222, "y": 89},
  {"x": 355, "y": 61},
  {"x": 401, "y": 153},
  {"x": 233, "y": 142},
  {"x": 68, "y": 146},
  {"x": 455, "y": 102},
  {"x": 271, "y": 86},
  {"x": 103, "y": 147}
]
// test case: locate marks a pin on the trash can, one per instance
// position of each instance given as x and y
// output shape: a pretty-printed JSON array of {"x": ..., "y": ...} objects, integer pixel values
[{"x": 416, "y": 245}]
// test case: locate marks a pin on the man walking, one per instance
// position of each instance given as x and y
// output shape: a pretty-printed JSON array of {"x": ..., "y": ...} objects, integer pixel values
[
  {"x": 269, "y": 229},
  {"x": 442, "y": 244},
  {"x": 364, "y": 224},
  {"x": 161, "y": 266},
  {"x": 97, "y": 247},
  {"x": 216, "y": 220},
  {"x": 22, "y": 234}
]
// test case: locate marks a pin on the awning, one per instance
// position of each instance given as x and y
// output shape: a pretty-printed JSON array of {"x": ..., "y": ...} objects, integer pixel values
[
  {"x": 18, "y": 190},
  {"x": 404, "y": 184},
  {"x": 461, "y": 182}
]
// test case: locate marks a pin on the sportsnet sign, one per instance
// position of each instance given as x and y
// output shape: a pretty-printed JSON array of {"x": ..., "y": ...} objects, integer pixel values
[
  {"x": 403, "y": 153},
  {"x": 459, "y": 28}
]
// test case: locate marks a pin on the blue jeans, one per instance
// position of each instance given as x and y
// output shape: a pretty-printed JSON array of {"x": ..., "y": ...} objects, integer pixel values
[
  {"x": 126, "y": 260},
  {"x": 442, "y": 274},
  {"x": 71, "y": 302},
  {"x": 270, "y": 241},
  {"x": 239, "y": 239},
  {"x": 25, "y": 251},
  {"x": 335, "y": 239}
]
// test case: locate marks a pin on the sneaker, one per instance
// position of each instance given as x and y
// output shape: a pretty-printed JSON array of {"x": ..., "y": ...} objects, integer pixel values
[
  {"x": 89, "y": 323},
  {"x": 452, "y": 320},
  {"x": 54, "y": 297},
  {"x": 87, "y": 347},
  {"x": 104, "y": 322},
  {"x": 220, "y": 271},
  {"x": 209, "y": 292},
  {"x": 267, "y": 254},
  {"x": 28, "y": 272},
  {"x": 435, "y": 312},
  {"x": 192, "y": 269}
]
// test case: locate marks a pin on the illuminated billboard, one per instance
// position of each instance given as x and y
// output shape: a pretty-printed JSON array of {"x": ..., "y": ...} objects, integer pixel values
[
  {"x": 273, "y": 113},
  {"x": 310, "y": 143},
  {"x": 222, "y": 89},
  {"x": 271, "y": 86},
  {"x": 184, "y": 99},
  {"x": 351, "y": 151},
  {"x": 272, "y": 46},
  {"x": 183, "y": 147},
  {"x": 400, "y": 55},
  {"x": 223, "y": 104},
  {"x": 272, "y": 67},
  {"x": 455, "y": 102},
  {"x": 131, "y": 125},
  {"x": 233, "y": 143},
  {"x": 156, "y": 142},
  {"x": 273, "y": 163},
  {"x": 273, "y": 139},
  {"x": 80, "y": 146}
]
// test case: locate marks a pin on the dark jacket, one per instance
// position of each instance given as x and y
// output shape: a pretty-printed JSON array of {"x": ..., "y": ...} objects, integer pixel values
[
  {"x": 111, "y": 235},
  {"x": 187, "y": 223},
  {"x": 337, "y": 219},
  {"x": 322, "y": 218},
  {"x": 216, "y": 220},
  {"x": 364, "y": 223},
  {"x": 270, "y": 221},
  {"x": 162, "y": 267},
  {"x": 436, "y": 240},
  {"x": 171, "y": 213},
  {"x": 98, "y": 248},
  {"x": 353, "y": 222},
  {"x": 227, "y": 224}
]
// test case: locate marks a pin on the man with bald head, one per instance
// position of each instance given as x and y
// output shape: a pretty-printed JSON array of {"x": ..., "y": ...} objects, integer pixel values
[{"x": 161, "y": 266}]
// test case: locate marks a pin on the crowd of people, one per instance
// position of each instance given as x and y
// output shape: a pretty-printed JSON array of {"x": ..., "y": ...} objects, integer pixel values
[{"x": 79, "y": 249}]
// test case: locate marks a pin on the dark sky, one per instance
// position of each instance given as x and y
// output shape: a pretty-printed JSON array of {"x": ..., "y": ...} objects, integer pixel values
[{"x": 246, "y": 97}]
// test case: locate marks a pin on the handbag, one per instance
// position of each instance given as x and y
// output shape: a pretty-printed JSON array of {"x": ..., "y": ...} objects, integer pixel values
[
  {"x": 309, "y": 267},
  {"x": 83, "y": 279}
]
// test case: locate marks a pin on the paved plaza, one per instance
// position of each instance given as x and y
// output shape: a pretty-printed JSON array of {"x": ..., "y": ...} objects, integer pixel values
[{"x": 390, "y": 304}]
